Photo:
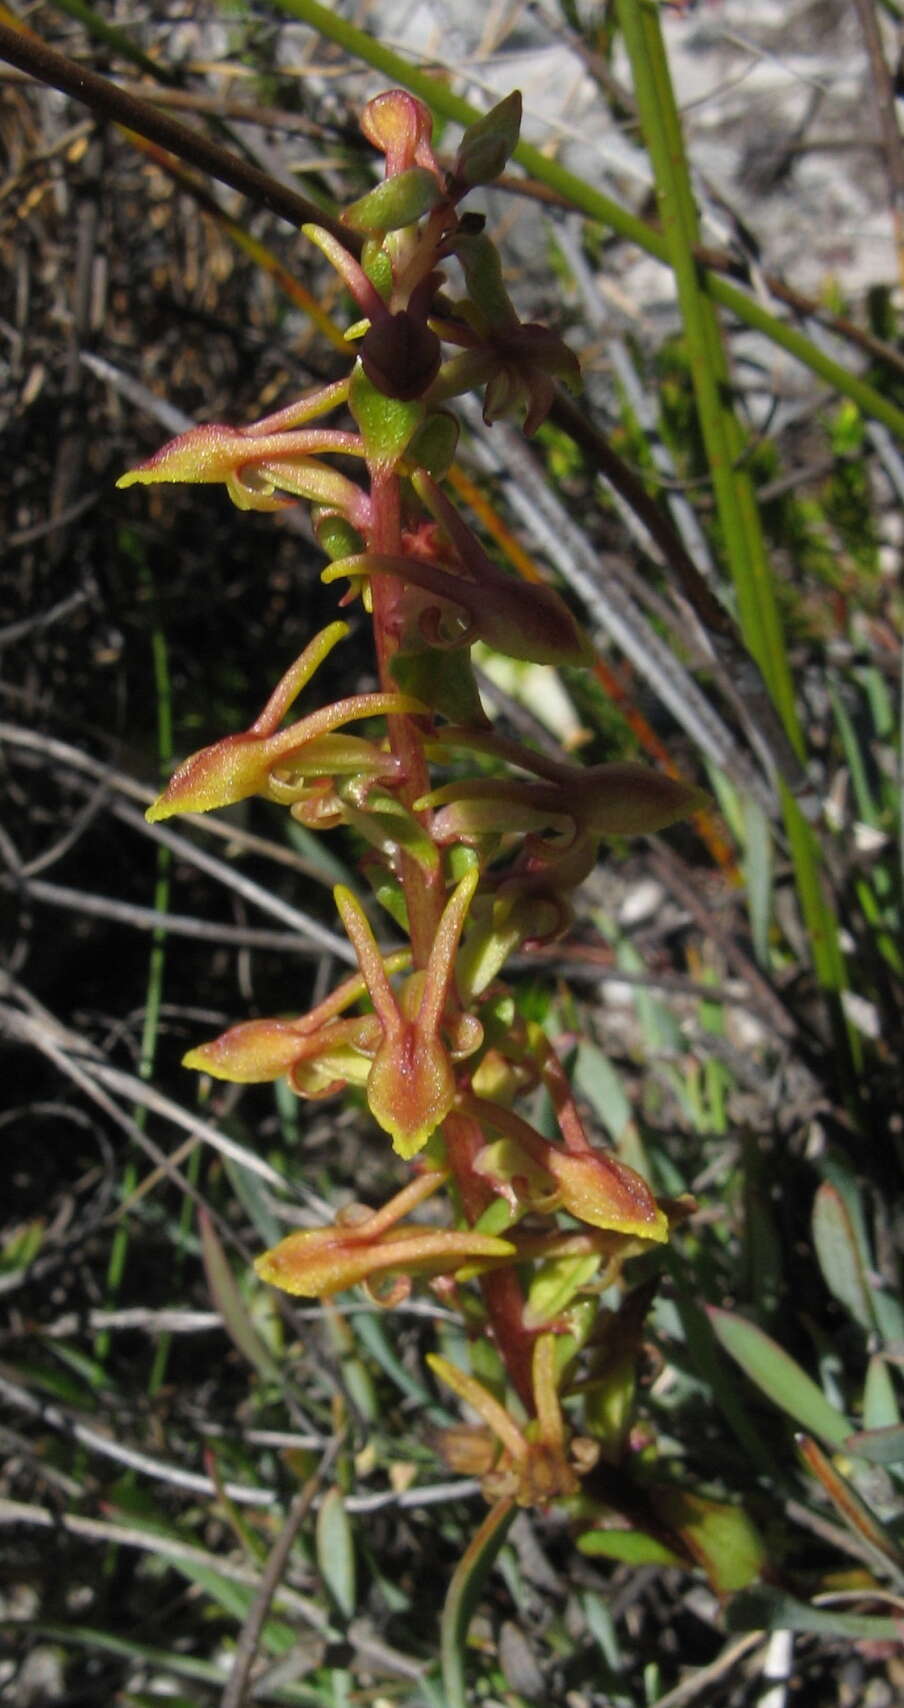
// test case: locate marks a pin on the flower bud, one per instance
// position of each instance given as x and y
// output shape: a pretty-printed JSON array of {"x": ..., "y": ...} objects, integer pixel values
[
  {"x": 401, "y": 355},
  {"x": 595, "y": 1187},
  {"x": 482, "y": 268},
  {"x": 335, "y": 534},
  {"x": 487, "y": 145},
  {"x": 401, "y": 127}
]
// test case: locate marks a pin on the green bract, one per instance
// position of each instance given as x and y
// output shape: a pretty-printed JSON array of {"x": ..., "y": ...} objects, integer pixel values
[
  {"x": 487, "y": 146},
  {"x": 397, "y": 202}
]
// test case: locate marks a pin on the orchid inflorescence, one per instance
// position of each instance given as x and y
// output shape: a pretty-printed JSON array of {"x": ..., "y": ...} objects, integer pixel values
[{"x": 473, "y": 867}]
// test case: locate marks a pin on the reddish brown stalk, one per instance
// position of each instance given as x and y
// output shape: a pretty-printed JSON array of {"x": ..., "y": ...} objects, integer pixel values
[
  {"x": 424, "y": 897},
  {"x": 424, "y": 894},
  {"x": 570, "y": 1124},
  {"x": 501, "y": 1289}
]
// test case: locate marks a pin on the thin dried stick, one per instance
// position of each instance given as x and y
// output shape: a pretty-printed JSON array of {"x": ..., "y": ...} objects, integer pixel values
[
  {"x": 31, "y": 54},
  {"x": 236, "y": 1692},
  {"x": 65, "y": 1423}
]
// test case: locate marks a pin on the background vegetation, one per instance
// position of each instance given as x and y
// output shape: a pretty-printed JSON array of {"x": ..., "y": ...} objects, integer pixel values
[{"x": 207, "y": 1490}]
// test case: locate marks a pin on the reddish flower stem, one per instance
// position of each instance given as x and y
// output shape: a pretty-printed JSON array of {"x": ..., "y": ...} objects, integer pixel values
[
  {"x": 501, "y": 1289},
  {"x": 570, "y": 1124},
  {"x": 424, "y": 897},
  {"x": 424, "y": 893}
]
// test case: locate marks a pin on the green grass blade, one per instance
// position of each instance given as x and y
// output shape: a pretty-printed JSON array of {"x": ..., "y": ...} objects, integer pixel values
[
  {"x": 736, "y": 501},
  {"x": 228, "y": 1300},
  {"x": 467, "y": 1582},
  {"x": 724, "y": 443}
]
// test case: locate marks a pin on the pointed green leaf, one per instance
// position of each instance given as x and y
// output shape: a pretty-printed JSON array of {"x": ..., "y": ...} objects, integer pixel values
[
  {"x": 22, "y": 1246},
  {"x": 555, "y": 1284},
  {"x": 598, "y": 1081},
  {"x": 720, "y": 1537},
  {"x": 850, "y": 1505},
  {"x": 634, "y": 1547},
  {"x": 880, "y": 1446},
  {"x": 840, "y": 1256},
  {"x": 444, "y": 680},
  {"x": 386, "y": 823},
  {"x": 434, "y": 444},
  {"x": 487, "y": 145},
  {"x": 763, "y": 1608},
  {"x": 779, "y": 1377},
  {"x": 230, "y": 1304},
  {"x": 336, "y": 1553},
  {"x": 880, "y": 1402},
  {"x": 386, "y": 423}
]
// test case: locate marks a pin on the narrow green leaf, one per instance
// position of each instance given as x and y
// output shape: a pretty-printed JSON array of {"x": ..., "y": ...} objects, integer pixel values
[
  {"x": 634, "y": 1547},
  {"x": 763, "y": 1608},
  {"x": 357, "y": 1379},
  {"x": 724, "y": 443},
  {"x": 602, "y": 1626},
  {"x": 235, "y": 1599},
  {"x": 710, "y": 1368},
  {"x": 840, "y": 1256},
  {"x": 857, "y": 760},
  {"x": 102, "y": 1642},
  {"x": 554, "y": 1286},
  {"x": 778, "y": 1376},
  {"x": 117, "y": 40},
  {"x": 141, "y": 1699},
  {"x": 851, "y": 1507},
  {"x": 886, "y": 1304},
  {"x": 880, "y": 1446},
  {"x": 230, "y": 1304},
  {"x": 597, "y": 1080},
  {"x": 91, "y": 1370},
  {"x": 336, "y": 1553},
  {"x": 463, "y": 1595},
  {"x": 370, "y": 1329},
  {"x": 880, "y": 1402},
  {"x": 249, "y": 1190}
]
